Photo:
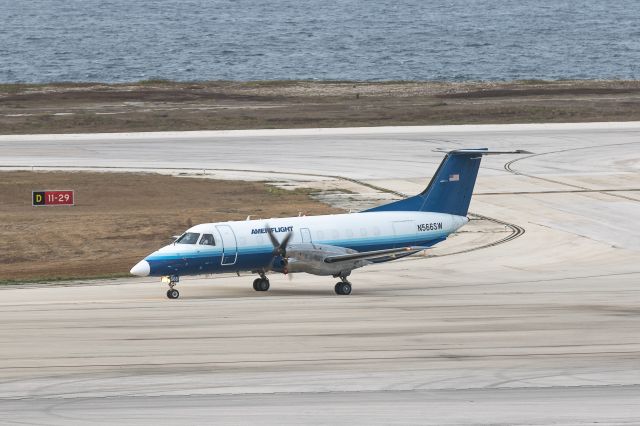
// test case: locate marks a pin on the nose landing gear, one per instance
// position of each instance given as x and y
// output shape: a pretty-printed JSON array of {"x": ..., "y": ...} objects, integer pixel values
[{"x": 172, "y": 280}]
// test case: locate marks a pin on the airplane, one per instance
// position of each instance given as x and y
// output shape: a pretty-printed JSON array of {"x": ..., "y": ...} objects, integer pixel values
[{"x": 327, "y": 245}]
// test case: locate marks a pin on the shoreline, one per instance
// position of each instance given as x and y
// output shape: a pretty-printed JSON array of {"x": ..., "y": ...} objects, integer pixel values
[{"x": 160, "y": 105}]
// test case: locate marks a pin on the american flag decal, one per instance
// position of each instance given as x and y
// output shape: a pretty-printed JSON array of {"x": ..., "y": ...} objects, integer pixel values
[{"x": 454, "y": 178}]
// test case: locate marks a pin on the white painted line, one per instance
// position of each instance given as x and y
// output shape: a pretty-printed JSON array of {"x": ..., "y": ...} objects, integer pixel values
[{"x": 467, "y": 128}]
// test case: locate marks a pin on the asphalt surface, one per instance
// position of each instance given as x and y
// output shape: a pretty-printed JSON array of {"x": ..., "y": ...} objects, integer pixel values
[{"x": 541, "y": 329}]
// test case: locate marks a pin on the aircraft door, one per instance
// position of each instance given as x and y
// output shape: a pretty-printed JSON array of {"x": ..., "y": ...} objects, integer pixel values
[
  {"x": 305, "y": 235},
  {"x": 229, "y": 245}
]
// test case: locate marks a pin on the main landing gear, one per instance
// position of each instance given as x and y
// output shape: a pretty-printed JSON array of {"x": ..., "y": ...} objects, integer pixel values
[
  {"x": 343, "y": 287},
  {"x": 172, "y": 293},
  {"x": 262, "y": 283}
]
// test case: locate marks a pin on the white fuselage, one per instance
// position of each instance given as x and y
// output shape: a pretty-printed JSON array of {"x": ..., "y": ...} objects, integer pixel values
[{"x": 245, "y": 245}]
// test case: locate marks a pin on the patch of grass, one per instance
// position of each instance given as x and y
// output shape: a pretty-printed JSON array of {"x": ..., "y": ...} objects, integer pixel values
[
  {"x": 336, "y": 191},
  {"x": 13, "y": 88},
  {"x": 272, "y": 83},
  {"x": 279, "y": 191},
  {"x": 534, "y": 81},
  {"x": 157, "y": 81}
]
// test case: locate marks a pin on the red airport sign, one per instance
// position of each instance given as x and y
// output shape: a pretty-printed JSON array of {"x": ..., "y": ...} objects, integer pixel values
[{"x": 53, "y": 198}]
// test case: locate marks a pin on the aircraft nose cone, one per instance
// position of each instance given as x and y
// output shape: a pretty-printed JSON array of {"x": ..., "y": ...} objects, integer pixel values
[{"x": 141, "y": 269}]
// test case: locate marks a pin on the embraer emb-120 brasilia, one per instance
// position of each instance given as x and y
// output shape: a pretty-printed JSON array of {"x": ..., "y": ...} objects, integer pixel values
[{"x": 329, "y": 245}]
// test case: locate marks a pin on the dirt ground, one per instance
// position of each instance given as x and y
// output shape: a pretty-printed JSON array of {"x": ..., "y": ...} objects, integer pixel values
[
  {"x": 164, "y": 105},
  {"x": 119, "y": 218}
]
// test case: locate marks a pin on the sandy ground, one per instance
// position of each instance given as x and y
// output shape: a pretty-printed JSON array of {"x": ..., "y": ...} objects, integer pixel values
[
  {"x": 163, "y": 105},
  {"x": 121, "y": 217},
  {"x": 542, "y": 329}
]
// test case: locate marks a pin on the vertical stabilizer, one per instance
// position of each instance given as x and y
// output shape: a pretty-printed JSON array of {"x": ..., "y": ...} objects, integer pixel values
[{"x": 451, "y": 187}]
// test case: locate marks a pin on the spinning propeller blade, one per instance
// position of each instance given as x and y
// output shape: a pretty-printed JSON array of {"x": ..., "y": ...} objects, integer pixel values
[{"x": 279, "y": 248}]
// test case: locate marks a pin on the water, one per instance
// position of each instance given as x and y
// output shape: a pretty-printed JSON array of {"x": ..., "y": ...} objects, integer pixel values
[{"x": 125, "y": 40}]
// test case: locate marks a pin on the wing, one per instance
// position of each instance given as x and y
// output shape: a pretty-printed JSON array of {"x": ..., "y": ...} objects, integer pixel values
[{"x": 403, "y": 251}]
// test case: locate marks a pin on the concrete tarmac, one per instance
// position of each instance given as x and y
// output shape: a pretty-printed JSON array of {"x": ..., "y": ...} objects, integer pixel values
[{"x": 543, "y": 329}]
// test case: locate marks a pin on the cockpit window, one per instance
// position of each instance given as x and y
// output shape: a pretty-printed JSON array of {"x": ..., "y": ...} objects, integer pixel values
[
  {"x": 207, "y": 240},
  {"x": 188, "y": 238}
]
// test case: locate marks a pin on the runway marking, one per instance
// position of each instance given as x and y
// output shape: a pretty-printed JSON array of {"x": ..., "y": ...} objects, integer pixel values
[
  {"x": 508, "y": 167},
  {"x": 568, "y": 191}
]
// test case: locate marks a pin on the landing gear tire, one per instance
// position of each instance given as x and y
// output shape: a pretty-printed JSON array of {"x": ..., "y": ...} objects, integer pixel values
[
  {"x": 260, "y": 284},
  {"x": 343, "y": 289},
  {"x": 172, "y": 280},
  {"x": 346, "y": 289}
]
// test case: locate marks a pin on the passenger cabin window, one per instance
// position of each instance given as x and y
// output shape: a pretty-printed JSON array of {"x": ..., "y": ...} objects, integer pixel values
[
  {"x": 207, "y": 240},
  {"x": 188, "y": 238}
]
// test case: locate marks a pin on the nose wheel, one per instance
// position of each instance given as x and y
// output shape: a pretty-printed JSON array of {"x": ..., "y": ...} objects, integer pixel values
[{"x": 172, "y": 280}]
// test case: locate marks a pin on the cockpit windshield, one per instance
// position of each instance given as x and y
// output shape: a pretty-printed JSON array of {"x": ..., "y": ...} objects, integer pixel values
[
  {"x": 188, "y": 238},
  {"x": 207, "y": 240}
]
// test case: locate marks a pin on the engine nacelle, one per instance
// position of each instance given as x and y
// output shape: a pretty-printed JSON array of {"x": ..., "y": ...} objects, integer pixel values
[
  {"x": 310, "y": 258},
  {"x": 279, "y": 264}
]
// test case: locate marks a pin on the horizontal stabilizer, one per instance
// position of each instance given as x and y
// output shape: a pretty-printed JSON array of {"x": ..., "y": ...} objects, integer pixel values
[{"x": 480, "y": 151}]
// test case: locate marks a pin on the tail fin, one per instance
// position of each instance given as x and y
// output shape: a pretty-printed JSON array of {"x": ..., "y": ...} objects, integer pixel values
[{"x": 451, "y": 187}]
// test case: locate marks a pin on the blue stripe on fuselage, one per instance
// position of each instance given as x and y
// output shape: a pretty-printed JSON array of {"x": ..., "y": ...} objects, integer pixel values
[{"x": 257, "y": 257}]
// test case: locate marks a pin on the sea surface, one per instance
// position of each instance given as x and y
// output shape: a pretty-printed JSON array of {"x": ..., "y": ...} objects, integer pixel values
[{"x": 130, "y": 40}]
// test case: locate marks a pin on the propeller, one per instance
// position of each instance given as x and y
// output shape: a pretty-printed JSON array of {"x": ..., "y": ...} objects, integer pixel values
[{"x": 280, "y": 247}]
